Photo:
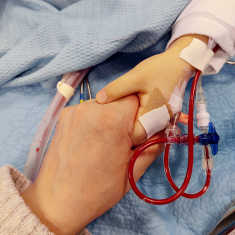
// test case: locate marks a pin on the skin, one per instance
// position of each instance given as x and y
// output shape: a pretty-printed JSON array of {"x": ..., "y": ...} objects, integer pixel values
[
  {"x": 84, "y": 173},
  {"x": 85, "y": 170},
  {"x": 162, "y": 72}
]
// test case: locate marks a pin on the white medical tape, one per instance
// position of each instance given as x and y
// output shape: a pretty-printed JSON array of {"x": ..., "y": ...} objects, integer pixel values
[
  {"x": 155, "y": 120},
  {"x": 175, "y": 103},
  {"x": 66, "y": 90},
  {"x": 198, "y": 54}
]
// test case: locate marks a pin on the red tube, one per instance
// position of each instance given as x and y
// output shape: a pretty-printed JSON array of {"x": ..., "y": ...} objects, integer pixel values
[
  {"x": 168, "y": 175},
  {"x": 191, "y": 140}
]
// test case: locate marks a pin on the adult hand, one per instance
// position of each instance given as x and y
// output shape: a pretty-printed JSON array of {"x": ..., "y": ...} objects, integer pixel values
[{"x": 85, "y": 169}]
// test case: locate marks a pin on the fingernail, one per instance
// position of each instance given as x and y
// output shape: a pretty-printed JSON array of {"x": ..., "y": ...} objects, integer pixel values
[{"x": 101, "y": 96}]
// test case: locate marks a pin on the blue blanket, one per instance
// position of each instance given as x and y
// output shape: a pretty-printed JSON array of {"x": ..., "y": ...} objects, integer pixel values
[{"x": 41, "y": 40}]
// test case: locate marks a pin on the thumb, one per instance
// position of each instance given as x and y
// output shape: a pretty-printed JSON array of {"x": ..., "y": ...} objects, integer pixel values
[
  {"x": 125, "y": 85},
  {"x": 147, "y": 158}
]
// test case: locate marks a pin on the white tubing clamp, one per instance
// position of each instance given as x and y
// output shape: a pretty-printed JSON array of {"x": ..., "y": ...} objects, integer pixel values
[{"x": 66, "y": 90}]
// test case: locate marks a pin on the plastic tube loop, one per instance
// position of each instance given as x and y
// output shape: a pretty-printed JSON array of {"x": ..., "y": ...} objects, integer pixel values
[{"x": 211, "y": 138}]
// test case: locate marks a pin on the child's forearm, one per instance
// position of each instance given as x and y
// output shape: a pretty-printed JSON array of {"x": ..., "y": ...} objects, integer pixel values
[
  {"x": 178, "y": 45},
  {"x": 213, "y": 19}
]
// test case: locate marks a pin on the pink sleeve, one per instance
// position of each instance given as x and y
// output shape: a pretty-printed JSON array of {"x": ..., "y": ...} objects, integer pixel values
[
  {"x": 213, "y": 18},
  {"x": 16, "y": 217}
]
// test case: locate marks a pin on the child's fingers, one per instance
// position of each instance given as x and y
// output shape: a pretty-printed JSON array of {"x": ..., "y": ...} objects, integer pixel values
[{"x": 121, "y": 87}]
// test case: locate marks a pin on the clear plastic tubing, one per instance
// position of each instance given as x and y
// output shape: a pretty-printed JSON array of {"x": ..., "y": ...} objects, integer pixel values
[{"x": 47, "y": 125}]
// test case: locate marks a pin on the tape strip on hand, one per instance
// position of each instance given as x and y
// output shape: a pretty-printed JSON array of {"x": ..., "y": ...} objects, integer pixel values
[
  {"x": 175, "y": 103},
  {"x": 155, "y": 120},
  {"x": 66, "y": 90},
  {"x": 198, "y": 54}
]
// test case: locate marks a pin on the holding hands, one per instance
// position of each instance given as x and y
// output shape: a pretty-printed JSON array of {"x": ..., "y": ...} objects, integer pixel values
[
  {"x": 85, "y": 169},
  {"x": 153, "y": 81}
]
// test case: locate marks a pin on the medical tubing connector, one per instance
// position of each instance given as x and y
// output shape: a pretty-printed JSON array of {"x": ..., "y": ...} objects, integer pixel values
[
  {"x": 211, "y": 138},
  {"x": 38, "y": 147},
  {"x": 203, "y": 117}
]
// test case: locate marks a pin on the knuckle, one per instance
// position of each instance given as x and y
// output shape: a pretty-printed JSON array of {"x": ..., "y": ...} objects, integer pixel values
[{"x": 107, "y": 119}]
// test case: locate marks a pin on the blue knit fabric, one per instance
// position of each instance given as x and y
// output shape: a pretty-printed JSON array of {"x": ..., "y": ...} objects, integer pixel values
[{"x": 41, "y": 40}]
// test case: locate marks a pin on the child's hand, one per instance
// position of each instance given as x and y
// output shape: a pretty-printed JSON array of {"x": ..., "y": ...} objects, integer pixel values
[{"x": 153, "y": 80}]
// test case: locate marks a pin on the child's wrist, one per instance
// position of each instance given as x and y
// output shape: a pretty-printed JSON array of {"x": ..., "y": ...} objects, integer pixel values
[
  {"x": 185, "y": 40},
  {"x": 178, "y": 45}
]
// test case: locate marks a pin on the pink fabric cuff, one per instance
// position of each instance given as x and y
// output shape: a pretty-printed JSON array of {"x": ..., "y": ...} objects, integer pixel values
[
  {"x": 16, "y": 217},
  {"x": 211, "y": 18},
  {"x": 205, "y": 26}
]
